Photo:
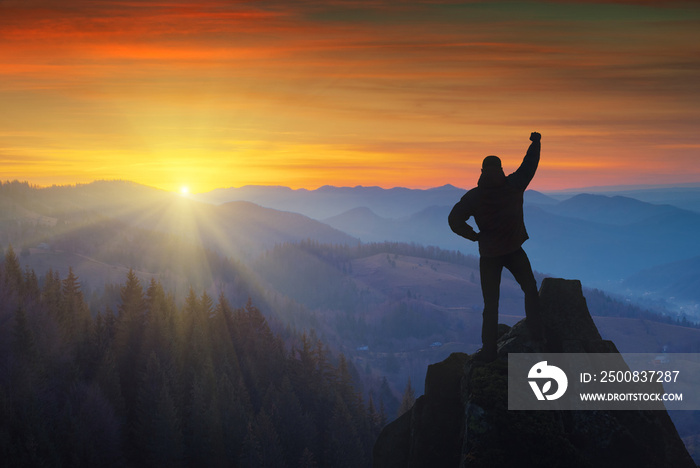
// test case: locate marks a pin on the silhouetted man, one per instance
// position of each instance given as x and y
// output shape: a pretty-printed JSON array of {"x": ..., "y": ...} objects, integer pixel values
[{"x": 497, "y": 207}]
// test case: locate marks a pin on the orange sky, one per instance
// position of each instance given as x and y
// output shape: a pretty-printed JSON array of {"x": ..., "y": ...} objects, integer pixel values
[{"x": 354, "y": 92}]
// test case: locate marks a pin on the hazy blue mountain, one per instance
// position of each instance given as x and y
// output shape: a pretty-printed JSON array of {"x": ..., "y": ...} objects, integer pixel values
[
  {"x": 685, "y": 196},
  {"x": 236, "y": 228},
  {"x": 539, "y": 198},
  {"x": 629, "y": 236},
  {"x": 426, "y": 227},
  {"x": 244, "y": 223},
  {"x": 365, "y": 224},
  {"x": 677, "y": 281},
  {"x": 615, "y": 210},
  {"x": 429, "y": 227},
  {"x": 328, "y": 201},
  {"x": 264, "y": 195},
  {"x": 572, "y": 248},
  {"x": 596, "y": 238}
]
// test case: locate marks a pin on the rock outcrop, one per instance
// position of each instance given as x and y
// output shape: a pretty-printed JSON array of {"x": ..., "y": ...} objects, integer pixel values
[{"x": 462, "y": 420}]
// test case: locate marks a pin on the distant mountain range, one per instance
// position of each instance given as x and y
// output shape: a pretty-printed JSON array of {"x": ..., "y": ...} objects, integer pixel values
[
  {"x": 236, "y": 227},
  {"x": 328, "y": 201},
  {"x": 103, "y": 229},
  {"x": 599, "y": 238},
  {"x": 611, "y": 242},
  {"x": 397, "y": 202},
  {"x": 686, "y": 196}
]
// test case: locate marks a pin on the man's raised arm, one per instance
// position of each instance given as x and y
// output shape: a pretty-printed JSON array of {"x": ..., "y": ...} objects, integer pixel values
[{"x": 524, "y": 174}]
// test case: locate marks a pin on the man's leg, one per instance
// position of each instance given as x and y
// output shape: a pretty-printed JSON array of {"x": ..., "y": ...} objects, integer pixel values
[
  {"x": 490, "y": 269},
  {"x": 519, "y": 265}
]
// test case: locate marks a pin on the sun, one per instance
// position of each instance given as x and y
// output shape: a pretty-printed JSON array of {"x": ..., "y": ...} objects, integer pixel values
[{"x": 184, "y": 190}]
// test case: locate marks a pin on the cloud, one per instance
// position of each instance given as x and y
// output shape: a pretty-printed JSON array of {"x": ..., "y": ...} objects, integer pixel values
[{"x": 366, "y": 83}]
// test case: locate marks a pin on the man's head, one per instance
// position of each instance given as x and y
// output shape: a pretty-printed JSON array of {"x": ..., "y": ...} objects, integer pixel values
[{"x": 491, "y": 161}]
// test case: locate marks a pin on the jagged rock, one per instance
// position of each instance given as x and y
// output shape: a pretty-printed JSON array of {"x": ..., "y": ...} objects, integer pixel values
[
  {"x": 462, "y": 420},
  {"x": 429, "y": 433}
]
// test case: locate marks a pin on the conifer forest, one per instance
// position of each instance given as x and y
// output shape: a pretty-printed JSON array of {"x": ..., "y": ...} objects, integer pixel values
[{"x": 154, "y": 384}]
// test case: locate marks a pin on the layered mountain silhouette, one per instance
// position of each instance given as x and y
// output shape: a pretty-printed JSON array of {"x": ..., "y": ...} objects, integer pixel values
[
  {"x": 462, "y": 420},
  {"x": 233, "y": 228},
  {"x": 328, "y": 201},
  {"x": 615, "y": 243},
  {"x": 598, "y": 238}
]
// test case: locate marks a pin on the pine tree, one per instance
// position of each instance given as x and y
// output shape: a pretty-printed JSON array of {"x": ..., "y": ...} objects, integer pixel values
[
  {"x": 374, "y": 420},
  {"x": 346, "y": 389},
  {"x": 157, "y": 429},
  {"x": 382, "y": 414},
  {"x": 235, "y": 410},
  {"x": 159, "y": 322},
  {"x": 344, "y": 448},
  {"x": 154, "y": 300},
  {"x": 190, "y": 316},
  {"x": 409, "y": 398},
  {"x": 107, "y": 377},
  {"x": 206, "y": 306},
  {"x": 24, "y": 345},
  {"x": 285, "y": 409},
  {"x": 74, "y": 315},
  {"x": 257, "y": 322},
  {"x": 387, "y": 399},
  {"x": 51, "y": 295},
  {"x": 127, "y": 340},
  {"x": 31, "y": 286},
  {"x": 222, "y": 347},
  {"x": 204, "y": 438},
  {"x": 132, "y": 304},
  {"x": 90, "y": 436},
  {"x": 262, "y": 445},
  {"x": 13, "y": 272}
]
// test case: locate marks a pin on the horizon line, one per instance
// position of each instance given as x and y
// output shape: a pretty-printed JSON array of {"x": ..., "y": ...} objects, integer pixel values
[{"x": 594, "y": 188}]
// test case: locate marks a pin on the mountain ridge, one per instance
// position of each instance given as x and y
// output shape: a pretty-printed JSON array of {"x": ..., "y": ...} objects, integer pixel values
[{"x": 600, "y": 239}]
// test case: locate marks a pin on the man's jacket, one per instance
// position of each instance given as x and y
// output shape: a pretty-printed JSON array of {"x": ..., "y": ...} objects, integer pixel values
[{"x": 497, "y": 207}]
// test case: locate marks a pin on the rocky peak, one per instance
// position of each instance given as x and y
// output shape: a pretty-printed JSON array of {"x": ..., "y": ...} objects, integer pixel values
[{"x": 462, "y": 420}]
